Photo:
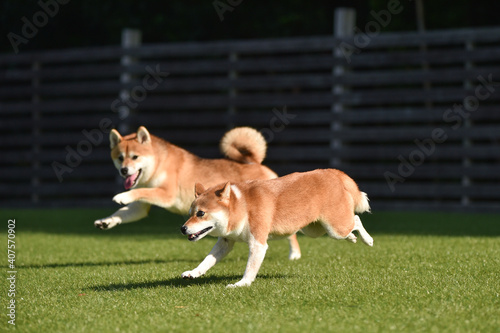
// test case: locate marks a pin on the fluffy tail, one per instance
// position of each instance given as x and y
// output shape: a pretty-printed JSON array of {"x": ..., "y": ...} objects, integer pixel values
[
  {"x": 244, "y": 145},
  {"x": 361, "y": 203}
]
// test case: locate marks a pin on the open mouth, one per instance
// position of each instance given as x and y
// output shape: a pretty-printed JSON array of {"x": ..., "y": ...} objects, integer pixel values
[
  {"x": 199, "y": 234},
  {"x": 131, "y": 181}
]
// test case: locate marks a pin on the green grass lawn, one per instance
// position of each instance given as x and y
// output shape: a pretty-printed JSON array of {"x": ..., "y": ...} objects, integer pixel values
[{"x": 427, "y": 272}]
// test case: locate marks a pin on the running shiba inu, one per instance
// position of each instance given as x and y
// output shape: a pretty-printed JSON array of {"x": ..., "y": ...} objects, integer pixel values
[
  {"x": 315, "y": 202},
  {"x": 159, "y": 173}
]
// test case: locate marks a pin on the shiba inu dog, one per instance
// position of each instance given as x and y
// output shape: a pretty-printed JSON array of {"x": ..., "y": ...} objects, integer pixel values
[
  {"x": 315, "y": 202},
  {"x": 159, "y": 173}
]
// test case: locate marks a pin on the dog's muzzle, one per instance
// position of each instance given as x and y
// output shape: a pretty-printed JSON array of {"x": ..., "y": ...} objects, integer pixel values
[{"x": 196, "y": 235}]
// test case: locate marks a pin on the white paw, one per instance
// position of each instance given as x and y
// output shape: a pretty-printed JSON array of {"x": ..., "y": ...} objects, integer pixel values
[
  {"x": 106, "y": 223},
  {"x": 241, "y": 283},
  {"x": 191, "y": 275},
  {"x": 294, "y": 256},
  {"x": 123, "y": 198},
  {"x": 367, "y": 240},
  {"x": 352, "y": 238}
]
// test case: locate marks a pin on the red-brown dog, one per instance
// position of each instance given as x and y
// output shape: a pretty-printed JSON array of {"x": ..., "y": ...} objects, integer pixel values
[
  {"x": 315, "y": 202},
  {"x": 159, "y": 173}
]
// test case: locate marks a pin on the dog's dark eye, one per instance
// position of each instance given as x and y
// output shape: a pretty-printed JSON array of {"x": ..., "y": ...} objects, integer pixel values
[
  {"x": 200, "y": 213},
  {"x": 120, "y": 158},
  {"x": 135, "y": 157}
]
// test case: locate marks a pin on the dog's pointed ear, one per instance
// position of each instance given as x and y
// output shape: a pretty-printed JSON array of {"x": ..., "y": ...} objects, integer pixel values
[
  {"x": 114, "y": 138},
  {"x": 198, "y": 189},
  {"x": 224, "y": 192},
  {"x": 143, "y": 135}
]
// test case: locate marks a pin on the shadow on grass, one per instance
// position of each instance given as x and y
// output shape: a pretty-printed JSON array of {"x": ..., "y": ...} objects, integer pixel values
[
  {"x": 104, "y": 263},
  {"x": 180, "y": 282}
]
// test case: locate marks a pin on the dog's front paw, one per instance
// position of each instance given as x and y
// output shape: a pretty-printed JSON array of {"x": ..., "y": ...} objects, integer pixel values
[
  {"x": 124, "y": 198},
  {"x": 191, "y": 275},
  {"x": 106, "y": 223},
  {"x": 294, "y": 255}
]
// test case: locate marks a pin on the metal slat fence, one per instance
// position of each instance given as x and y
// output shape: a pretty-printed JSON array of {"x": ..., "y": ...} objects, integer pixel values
[{"x": 413, "y": 136}]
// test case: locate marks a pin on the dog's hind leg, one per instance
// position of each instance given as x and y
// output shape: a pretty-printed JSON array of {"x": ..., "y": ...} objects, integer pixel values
[
  {"x": 365, "y": 237},
  {"x": 338, "y": 226},
  {"x": 351, "y": 238},
  {"x": 294, "y": 248},
  {"x": 219, "y": 251}
]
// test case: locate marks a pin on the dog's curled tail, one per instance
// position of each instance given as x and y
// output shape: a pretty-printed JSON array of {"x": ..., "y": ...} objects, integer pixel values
[
  {"x": 362, "y": 205},
  {"x": 244, "y": 145},
  {"x": 361, "y": 202}
]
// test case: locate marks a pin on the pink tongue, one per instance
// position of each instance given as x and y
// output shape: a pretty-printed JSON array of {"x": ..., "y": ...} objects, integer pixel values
[{"x": 130, "y": 180}]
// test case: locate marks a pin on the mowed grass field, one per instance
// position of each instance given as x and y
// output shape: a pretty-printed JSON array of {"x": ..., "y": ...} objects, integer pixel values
[{"x": 427, "y": 272}]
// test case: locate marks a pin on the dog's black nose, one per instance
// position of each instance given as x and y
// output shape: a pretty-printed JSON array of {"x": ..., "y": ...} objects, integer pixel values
[
  {"x": 124, "y": 171},
  {"x": 184, "y": 229}
]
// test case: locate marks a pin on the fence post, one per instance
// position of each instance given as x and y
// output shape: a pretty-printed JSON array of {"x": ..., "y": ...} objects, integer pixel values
[
  {"x": 35, "y": 116},
  {"x": 467, "y": 142},
  {"x": 344, "y": 22},
  {"x": 131, "y": 38},
  {"x": 419, "y": 9},
  {"x": 233, "y": 75}
]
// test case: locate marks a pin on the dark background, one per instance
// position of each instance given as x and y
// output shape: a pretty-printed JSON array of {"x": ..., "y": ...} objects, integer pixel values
[
  {"x": 98, "y": 22},
  {"x": 397, "y": 91}
]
